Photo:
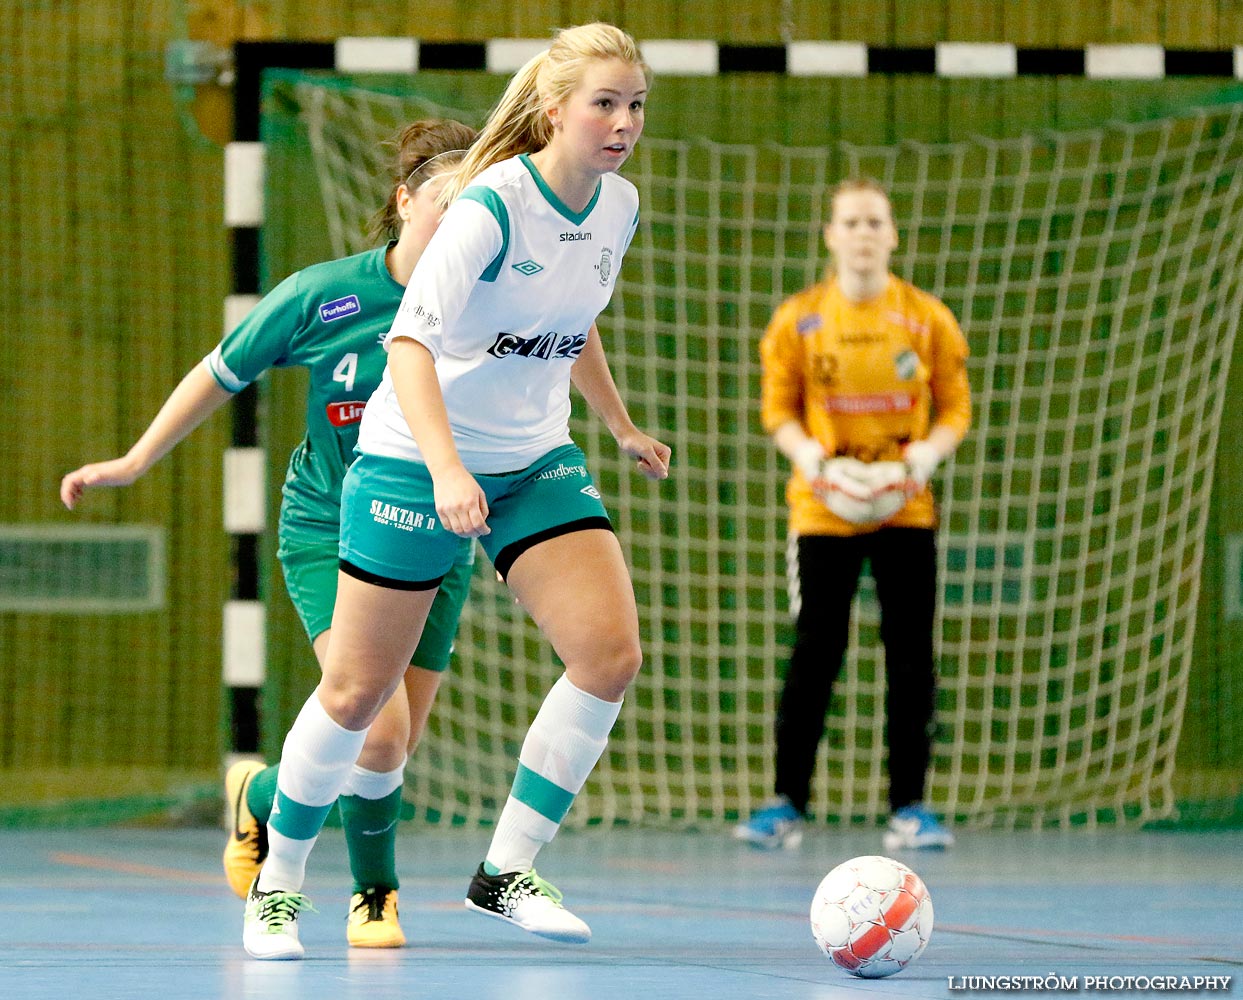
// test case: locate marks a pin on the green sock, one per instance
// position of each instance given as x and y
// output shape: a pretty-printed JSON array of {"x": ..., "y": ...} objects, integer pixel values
[
  {"x": 261, "y": 793},
  {"x": 371, "y": 838}
]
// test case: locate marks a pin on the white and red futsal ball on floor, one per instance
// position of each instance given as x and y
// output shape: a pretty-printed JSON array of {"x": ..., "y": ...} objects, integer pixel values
[{"x": 872, "y": 916}]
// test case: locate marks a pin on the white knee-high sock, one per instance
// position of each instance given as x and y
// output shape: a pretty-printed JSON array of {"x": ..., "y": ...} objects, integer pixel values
[
  {"x": 315, "y": 765},
  {"x": 564, "y": 743},
  {"x": 373, "y": 784}
]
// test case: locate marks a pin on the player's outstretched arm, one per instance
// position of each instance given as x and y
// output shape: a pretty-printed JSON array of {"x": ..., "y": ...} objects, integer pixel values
[
  {"x": 196, "y": 398},
  {"x": 591, "y": 376}
]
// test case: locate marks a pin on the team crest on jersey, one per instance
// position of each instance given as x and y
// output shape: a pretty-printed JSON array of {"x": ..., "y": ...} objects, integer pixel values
[
  {"x": 339, "y": 308},
  {"x": 906, "y": 364},
  {"x": 605, "y": 267}
]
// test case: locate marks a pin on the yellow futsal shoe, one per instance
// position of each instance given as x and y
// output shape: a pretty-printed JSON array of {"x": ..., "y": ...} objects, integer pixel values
[
  {"x": 373, "y": 920},
  {"x": 247, "y": 847}
]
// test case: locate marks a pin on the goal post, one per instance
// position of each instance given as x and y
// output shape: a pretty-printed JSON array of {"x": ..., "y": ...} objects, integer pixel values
[
  {"x": 1098, "y": 273},
  {"x": 1097, "y": 276}
]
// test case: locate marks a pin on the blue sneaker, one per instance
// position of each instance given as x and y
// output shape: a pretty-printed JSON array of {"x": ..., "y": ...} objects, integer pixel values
[
  {"x": 775, "y": 824},
  {"x": 915, "y": 828}
]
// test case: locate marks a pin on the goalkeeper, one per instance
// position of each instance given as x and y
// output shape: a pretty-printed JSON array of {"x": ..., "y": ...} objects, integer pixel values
[
  {"x": 864, "y": 390},
  {"x": 328, "y": 318}
]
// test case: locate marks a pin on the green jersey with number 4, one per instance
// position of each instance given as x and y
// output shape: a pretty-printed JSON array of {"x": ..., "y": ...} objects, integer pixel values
[{"x": 329, "y": 318}]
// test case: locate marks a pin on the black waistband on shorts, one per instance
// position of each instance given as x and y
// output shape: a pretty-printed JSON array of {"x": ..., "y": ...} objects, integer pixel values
[
  {"x": 358, "y": 573},
  {"x": 506, "y": 558}
]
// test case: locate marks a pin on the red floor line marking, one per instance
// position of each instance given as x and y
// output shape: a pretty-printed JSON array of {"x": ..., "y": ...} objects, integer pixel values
[
  {"x": 1078, "y": 935},
  {"x": 130, "y": 868}
]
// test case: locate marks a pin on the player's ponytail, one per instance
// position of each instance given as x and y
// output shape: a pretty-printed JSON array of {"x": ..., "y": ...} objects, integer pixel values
[
  {"x": 517, "y": 125},
  {"x": 413, "y": 147}
]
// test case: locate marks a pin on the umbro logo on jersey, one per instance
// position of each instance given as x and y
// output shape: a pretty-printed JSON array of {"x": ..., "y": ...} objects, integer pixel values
[
  {"x": 591, "y": 491},
  {"x": 528, "y": 267},
  {"x": 339, "y": 308}
]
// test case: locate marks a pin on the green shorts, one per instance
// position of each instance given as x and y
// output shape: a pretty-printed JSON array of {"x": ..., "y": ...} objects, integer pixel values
[
  {"x": 308, "y": 556},
  {"x": 391, "y": 534}
]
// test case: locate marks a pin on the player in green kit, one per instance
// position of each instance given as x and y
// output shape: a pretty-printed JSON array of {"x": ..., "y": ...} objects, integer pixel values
[{"x": 331, "y": 319}]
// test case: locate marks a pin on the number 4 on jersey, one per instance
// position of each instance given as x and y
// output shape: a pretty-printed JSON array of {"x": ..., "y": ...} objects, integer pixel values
[{"x": 346, "y": 370}]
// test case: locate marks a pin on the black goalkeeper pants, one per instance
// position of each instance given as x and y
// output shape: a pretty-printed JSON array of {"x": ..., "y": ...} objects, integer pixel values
[{"x": 903, "y": 564}]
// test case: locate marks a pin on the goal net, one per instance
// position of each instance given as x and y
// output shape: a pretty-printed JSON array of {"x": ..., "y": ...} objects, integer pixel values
[{"x": 1097, "y": 277}]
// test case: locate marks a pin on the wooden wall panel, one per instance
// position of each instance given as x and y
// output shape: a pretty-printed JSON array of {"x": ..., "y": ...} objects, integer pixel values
[
  {"x": 266, "y": 19},
  {"x": 1030, "y": 23},
  {"x": 812, "y": 20},
  {"x": 10, "y": 55},
  {"x": 864, "y": 110},
  {"x": 1194, "y": 27},
  {"x": 1082, "y": 22},
  {"x": 475, "y": 21},
  {"x": 1026, "y": 100},
  {"x": 973, "y": 107},
  {"x": 617, "y": 12},
  {"x": 378, "y": 19},
  {"x": 433, "y": 22},
  {"x": 916, "y": 23},
  {"x": 975, "y": 21},
  {"x": 649, "y": 18},
  {"x": 112, "y": 232},
  {"x": 858, "y": 23},
  {"x": 1139, "y": 21},
  {"x": 317, "y": 21},
  {"x": 685, "y": 20},
  {"x": 1229, "y": 21},
  {"x": 918, "y": 109}
]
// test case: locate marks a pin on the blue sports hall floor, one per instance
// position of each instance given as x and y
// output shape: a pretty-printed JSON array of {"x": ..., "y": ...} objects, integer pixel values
[{"x": 116, "y": 912}]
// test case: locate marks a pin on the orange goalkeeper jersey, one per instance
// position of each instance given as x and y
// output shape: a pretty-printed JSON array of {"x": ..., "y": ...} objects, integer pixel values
[{"x": 865, "y": 380}]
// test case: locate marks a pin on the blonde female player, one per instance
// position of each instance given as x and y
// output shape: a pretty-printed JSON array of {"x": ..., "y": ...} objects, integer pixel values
[
  {"x": 468, "y": 437},
  {"x": 328, "y": 318},
  {"x": 861, "y": 367}
]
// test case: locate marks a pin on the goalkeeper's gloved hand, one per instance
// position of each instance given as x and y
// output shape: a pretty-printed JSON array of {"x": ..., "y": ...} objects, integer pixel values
[
  {"x": 922, "y": 459},
  {"x": 847, "y": 489},
  {"x": 808, "y": 459}
]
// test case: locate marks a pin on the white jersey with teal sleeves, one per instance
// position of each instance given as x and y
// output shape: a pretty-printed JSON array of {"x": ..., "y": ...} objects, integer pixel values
[
  {"x": 503, "y": 298},
  {"x": 329, "y": 318}
]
